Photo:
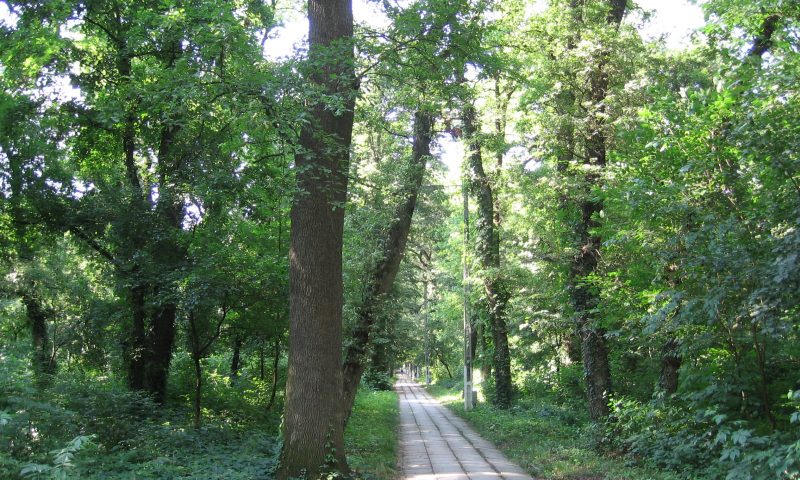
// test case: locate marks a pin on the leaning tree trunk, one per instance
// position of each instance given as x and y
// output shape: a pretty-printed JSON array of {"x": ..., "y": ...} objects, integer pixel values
[
  {"x": 313, "y": 427},
  {"x": 385, "y": 271},
  {"x": 488, "y": 251}
]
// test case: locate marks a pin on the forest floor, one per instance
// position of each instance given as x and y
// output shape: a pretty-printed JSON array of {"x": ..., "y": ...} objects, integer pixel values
[
  {"x": 90, "y": 427},
  {"x": 436, "y": 444},
  {"x": 547, "y": 440}
]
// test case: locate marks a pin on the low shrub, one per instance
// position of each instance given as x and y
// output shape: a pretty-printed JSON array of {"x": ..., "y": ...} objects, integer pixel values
[{"x": 702, "y": 441}]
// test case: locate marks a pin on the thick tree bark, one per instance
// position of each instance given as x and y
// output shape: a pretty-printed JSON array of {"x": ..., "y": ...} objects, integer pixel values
[
  {"x": 488, "y": 251},
  {"x": 385, "y": 271},
  {"x": 145, "y": 358},
  {"x": 169, "y": 255},
  {"x": 136, "y": 345},
  {"x": 572, "y": 345},
  {"x": 585, "y": 298},
  {"x": 152, "y": 334},
  {"x": 313, "y": 428}
]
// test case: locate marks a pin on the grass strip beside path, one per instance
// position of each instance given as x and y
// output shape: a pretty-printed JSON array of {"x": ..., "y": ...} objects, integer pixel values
[
  {"x": 546, "y": 440},
  {"x": 371, "y": 437}
]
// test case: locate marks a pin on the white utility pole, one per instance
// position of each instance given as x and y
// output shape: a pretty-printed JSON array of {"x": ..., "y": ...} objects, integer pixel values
[{"x": 425, "y": 309}]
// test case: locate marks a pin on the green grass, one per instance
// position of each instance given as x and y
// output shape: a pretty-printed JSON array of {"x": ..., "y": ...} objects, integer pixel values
[
  {"x": 549, "y": 441},
  {"x": 371, "y": 435}
]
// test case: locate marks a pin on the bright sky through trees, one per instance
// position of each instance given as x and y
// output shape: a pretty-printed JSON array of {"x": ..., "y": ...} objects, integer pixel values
[{"x": 674, "y": 20}]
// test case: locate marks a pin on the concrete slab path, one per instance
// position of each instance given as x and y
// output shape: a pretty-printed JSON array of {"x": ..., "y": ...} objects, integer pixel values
[{"x": 437, "y": 445}]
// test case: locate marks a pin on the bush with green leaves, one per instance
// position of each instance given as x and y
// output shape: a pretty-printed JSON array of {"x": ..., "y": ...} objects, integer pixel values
[{"x": 702, "y": 442}]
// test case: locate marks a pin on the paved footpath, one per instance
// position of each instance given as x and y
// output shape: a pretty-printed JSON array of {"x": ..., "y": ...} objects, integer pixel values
[{"x": 437, "y": 445}]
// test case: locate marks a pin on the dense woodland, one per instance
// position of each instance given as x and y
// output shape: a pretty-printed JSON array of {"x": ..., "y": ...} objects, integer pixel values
[{"x": 205, "y": 251}]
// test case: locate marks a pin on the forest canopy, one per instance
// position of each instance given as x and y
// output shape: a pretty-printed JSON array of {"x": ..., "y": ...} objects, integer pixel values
[{"x": 204, "y": 243}]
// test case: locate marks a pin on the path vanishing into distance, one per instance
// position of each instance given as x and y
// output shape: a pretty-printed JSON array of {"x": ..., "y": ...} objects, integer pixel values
[{"x": 437, "y": 445}]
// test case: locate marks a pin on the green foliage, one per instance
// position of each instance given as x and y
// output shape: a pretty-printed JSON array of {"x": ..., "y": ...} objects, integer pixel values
[
  {"x": 377, "y": 380},
  {"x": 239, "y": 400},
  {"x": 563, "y": 438},
  {"x": 371, "y": 435},
  {"x": 695, "y": 441},
  {"x": 62, "y": 461},
  {"x": 91, "y": 426},
  {"x": 167, "y": 166}
]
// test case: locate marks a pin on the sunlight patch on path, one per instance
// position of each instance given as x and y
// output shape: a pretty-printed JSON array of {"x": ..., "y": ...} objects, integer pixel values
[{"x": 437, "y": 445}]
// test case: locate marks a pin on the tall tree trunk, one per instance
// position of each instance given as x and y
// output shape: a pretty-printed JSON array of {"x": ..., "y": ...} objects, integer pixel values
[
  {"x": 41, "y": 359},
  {"x": 136, "y": 345},
  {"x": 169, "y": 255},
  {"x": 385, "y": 271},
  {"x": 486, "y": 363},
  {"x": 236, "y": 357},
  {"x": 198, "y": 390},
  {"x": 276, "y": 358},
  {"x": 153, "y": 233},
  {"x": 161, "y": 341},
  {"x": 670, "y": 356},
  {"x": 488, "y": 251},
  {"x": 585, "y": 298},
  {"x": 670, "y": 365},
  {"x": 572, "y": 345},
  {"x": 261, "y": 362},
  {"x": 313, "y": 427},
  {"x": 565, "y": 154}
]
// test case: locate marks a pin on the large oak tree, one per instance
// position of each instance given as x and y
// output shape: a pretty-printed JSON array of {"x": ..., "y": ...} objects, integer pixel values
[{"x": 314, "y": 417}]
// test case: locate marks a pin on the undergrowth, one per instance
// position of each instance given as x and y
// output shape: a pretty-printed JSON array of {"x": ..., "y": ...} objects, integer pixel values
[
  {"x": 87, "y": 425},
  {"x": 371, "y": 435},
  {"x": 551, "y": 442}
]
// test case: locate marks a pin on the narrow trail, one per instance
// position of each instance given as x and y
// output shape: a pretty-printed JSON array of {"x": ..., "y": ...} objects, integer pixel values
[{"x": 437, "y": 445}]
